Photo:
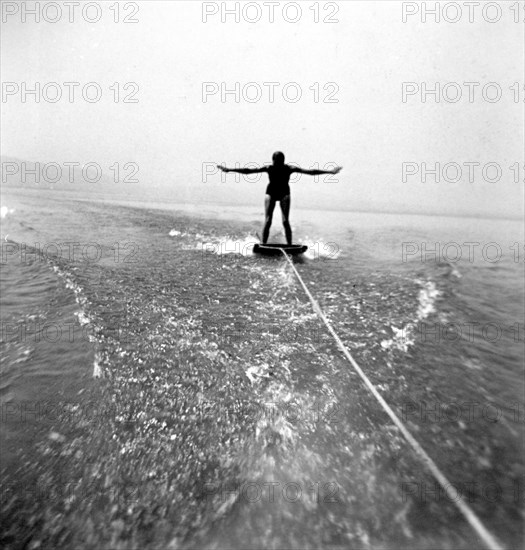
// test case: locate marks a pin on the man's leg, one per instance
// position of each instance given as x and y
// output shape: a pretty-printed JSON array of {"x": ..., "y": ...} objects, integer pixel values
[
  {"x": 285, "y": 210},
  {"x": 269, "y": 205}
]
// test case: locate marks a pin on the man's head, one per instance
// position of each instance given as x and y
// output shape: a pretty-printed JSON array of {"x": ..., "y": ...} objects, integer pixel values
[{"x": 278, "y": 158}]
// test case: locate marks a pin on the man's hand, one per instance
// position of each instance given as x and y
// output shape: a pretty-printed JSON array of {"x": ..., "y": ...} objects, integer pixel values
[{"x": 223, "y": 168}]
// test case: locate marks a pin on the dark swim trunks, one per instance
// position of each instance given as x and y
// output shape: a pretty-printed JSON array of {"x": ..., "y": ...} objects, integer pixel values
[{"x": 279, "y": 187}]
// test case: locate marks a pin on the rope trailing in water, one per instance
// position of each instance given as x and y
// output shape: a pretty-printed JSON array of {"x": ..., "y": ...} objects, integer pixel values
[{"x": 489, "y": 540}]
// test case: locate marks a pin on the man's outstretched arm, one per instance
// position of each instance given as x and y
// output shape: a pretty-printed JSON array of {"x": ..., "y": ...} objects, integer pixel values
[
  {"x": 243, "y": 170},
  {"x": 317, "y": 172}
]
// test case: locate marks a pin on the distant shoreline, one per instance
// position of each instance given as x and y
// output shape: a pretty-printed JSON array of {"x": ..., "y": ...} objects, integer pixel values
[{"x": 169, "y": 205}]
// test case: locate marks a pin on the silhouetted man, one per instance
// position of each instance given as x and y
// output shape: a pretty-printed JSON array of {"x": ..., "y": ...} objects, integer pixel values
[{"x": 278, "y": 189}]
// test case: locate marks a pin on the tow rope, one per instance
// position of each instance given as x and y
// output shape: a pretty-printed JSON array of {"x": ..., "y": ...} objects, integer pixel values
[{"x": 489, "y": 540}]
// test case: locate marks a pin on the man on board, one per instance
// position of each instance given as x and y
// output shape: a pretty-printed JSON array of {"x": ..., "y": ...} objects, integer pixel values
[{"x": 278, "y": 189}]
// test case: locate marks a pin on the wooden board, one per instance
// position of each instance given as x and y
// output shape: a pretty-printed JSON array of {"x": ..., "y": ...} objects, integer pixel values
[{"x": 274, "y": 249}]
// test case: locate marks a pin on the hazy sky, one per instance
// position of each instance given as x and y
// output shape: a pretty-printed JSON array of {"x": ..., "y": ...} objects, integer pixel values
[{"x": 170, "y": 52}]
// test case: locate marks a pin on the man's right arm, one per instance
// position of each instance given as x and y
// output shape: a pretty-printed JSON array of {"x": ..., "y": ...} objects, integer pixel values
[{"x": 244, "y": 170}]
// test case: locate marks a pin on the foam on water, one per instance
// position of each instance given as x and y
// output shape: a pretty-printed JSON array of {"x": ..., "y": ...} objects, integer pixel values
[
  {"x": 427, "y": 300},
  {"x": 225, "y": 245},
  {"x": 83, "y": 318},
  {"x": 222, "y": 245},
  {"x": 320, "y": 249},
  {"x": 219, "y": 245},
  {"x": 5, "y": 211},
  {"x": 405, "y": 337},
  {"x": 177, "y": 233}
]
